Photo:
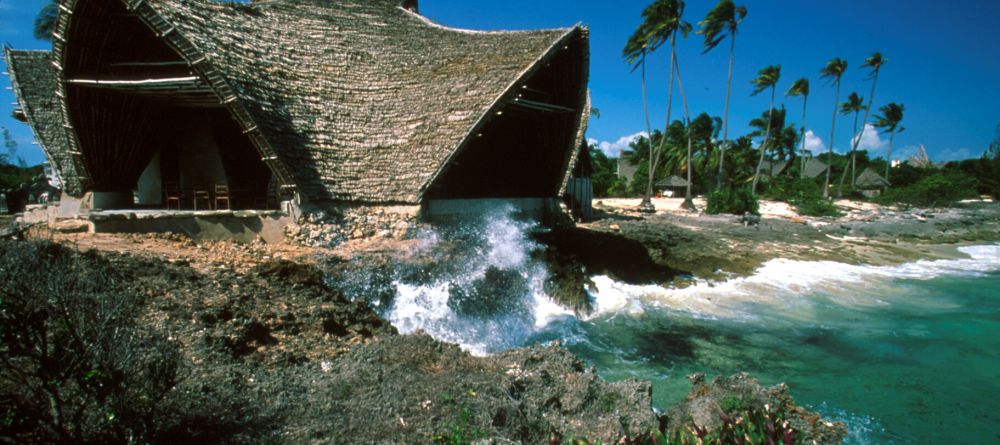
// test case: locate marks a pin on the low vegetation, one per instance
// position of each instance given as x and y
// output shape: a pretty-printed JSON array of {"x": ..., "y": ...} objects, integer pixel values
[
  {"x": 805, "y": 194},
  {"x": 77, "y": 367},
  {"x": 737, "y": 201},
  {"x": 937, "y": 190}
]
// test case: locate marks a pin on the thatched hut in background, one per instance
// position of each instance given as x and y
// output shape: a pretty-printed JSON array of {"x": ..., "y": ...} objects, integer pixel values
[
  {"x": 813, "y": 168},
  {"x": 352, "y": 102},
  {"x": 672, "y": 186},
  {"x": 870, "y": 183}
]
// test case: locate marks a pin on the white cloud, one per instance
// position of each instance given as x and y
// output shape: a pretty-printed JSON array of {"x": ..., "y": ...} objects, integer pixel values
[
  {"x": 614, "y": 149},
  {"x": 814, "y": 143},
  {"x": 870, "y": 139}
]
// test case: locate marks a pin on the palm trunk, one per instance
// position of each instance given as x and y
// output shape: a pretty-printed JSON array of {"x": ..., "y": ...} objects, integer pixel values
[
  {"x": 888, "y": 157},
  {"x": 725, "y": 114},
  {"x": 688, "y": 203},
  {"x": 802, "y": 163},
  {"x": 647, "y": 204},
  {"x": 649, "y": 134},
  {"x": 763, "y": 145},
  {"x": 864, "y": 125},
  {"x": 843, "y": 176},
  {"x": 833, "y": 132}
]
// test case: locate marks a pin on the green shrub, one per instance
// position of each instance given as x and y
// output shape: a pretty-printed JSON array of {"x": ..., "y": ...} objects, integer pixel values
[
  {"x": 937, "y": 190},
  {"x": 805, "y": 194},
  {"x": 78, "y": 366},
  {"x": 736, "y": 201}
]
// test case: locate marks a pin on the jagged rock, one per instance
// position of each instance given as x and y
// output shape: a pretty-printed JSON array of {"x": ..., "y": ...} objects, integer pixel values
[{"x": 706, "y": 400}]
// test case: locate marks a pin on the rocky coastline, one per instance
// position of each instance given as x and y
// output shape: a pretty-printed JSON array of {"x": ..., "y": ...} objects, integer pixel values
[{"x": 268, "y": 337}]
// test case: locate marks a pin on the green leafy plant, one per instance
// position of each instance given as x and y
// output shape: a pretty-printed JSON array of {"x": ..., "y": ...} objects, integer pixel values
[
  {"x": 805, "y": 194},
  {"x": 462, "y": 431},
  {"x": 937, "y": 190},
  {"x": 736, "y": 201}
]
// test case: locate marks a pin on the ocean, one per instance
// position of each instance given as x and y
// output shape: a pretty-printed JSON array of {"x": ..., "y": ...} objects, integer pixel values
[{"x": 901, "y": 354}]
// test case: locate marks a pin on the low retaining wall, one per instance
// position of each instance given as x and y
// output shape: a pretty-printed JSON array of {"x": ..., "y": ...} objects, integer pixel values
[{"x": 244, "y": 226}]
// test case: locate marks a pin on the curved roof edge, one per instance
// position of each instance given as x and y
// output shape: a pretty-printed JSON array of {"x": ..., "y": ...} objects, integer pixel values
[
  {"x": 47, "y": 134},
  {"x": 434, "y": 24},
  {"x": 498, "y": 102},
  {"x": 196, "y": 59}
]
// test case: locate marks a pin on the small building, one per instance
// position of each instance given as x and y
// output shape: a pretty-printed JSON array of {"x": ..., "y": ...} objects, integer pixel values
[
  {"x": 870, "y": 183},
  {"x": 920, "y": 159},
  {"x": 772, "y": 168},
  {"x": 672, "y": 186},
  {"x": 814, "y": 168},
  {"x": 626, "y": 167},
  {"x": 336, "y": 103}
]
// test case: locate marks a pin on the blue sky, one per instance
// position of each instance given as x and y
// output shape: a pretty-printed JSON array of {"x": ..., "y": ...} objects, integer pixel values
[{"x": 943, "y": 63}]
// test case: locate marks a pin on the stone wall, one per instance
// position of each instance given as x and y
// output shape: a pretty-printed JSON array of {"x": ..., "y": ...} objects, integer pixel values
[{"x": 331, "y": 227}]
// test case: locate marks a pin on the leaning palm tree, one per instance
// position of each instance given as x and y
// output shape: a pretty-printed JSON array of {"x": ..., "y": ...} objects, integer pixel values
[
  {"x": 801, "y": 88},
  {"x": 719, "y": 23},
  {"x": 892, "y": 115},
  {"x": 46, "y": 20},
  {"x": 634, "y": 53},
  {"x": 661, "y": 23},
  {"x": 767, "y": 78},
  {"x": 833, "y": 71},
  {"x": 875, "y": 62},
  {"x": 854, "y": 104}
]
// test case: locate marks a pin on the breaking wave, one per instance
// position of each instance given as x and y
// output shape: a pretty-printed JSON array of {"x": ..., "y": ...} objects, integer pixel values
[
  {"x": 486, "y": 291},
  {"x": 789, "y": 284}
]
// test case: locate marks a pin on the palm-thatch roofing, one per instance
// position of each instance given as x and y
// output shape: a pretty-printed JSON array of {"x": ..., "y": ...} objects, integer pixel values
[
  {"x": 813, "y": 168},
  {"x": 34, "y": 85},
  {"x": 626, "y": 169},
  {"x": 773, "y": 168},
  {"x": 672, "y": 181},
  {"x": 869, "y": 180},
  {"x": 349, "y": 100}
]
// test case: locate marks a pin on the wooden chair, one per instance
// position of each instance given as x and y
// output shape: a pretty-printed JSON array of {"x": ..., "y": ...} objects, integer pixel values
[
  {"x": 222, "y": 195},
  {"x": 201, "y": 194},
  {"x": 172, "y": 194}
]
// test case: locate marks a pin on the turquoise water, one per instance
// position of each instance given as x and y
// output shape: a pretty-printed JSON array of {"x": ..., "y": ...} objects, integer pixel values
[{"x": 903, "y": 355}]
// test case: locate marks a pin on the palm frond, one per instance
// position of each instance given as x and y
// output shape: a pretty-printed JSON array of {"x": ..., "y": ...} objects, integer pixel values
[
  {"x": 721, "y": 22},
  {"x": 766, "y": 78},
  {"x": 799, "y": 88}
]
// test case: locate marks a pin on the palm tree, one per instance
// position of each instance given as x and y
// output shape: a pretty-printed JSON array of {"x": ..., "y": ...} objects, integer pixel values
[
  {"x": 767, "y": 78},
  {"x": 875, "y": 62},
  {"x": 634, "y": 54},
  {"x": 661, "y": 22},
  {"x": 664, "y": 19},
  {"x": 833, "y": 71},
  {"x": 46, "y": 20},
  {"x": 801, "y": 88},
  {"x": 719, "y": 23},
  {"x": 892, "y": 115},
  {"x": 854, "y": 104}
]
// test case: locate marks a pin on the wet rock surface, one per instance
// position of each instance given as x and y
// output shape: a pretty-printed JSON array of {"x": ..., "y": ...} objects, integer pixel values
[
  {"x": 276, "y": 348},
  {"x": 707, "y": 402}
]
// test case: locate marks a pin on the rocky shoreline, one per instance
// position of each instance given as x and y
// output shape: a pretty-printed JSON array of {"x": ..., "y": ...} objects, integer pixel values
[
  {"x": 277, "y": 355},
  {"x": 268, "y": 337}
]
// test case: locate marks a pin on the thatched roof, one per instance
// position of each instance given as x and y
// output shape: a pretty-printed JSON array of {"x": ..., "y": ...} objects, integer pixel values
[
  {"x": 353, "y": 100},
  {"x": 773, "y": 168},
  {"x": 34, "y": 84},
  {"x": 920, "y": 159},
  {"x": 869, "y": 180},
  {"x": 672, "y": 181},
  {"x": 626, "y": 169},
  {"x": 814, "y": 167}
]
